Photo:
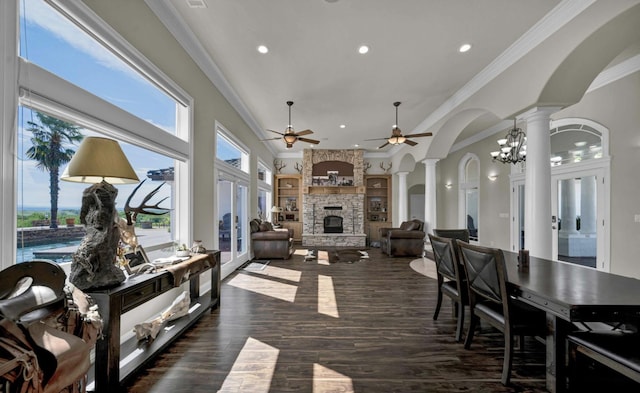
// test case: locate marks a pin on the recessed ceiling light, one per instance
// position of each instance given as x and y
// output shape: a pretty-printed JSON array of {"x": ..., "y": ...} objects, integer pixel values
[
  {"x": 363, "y": 49},
  {"x": 464, "y": 48},
  {"x": 343, "y": 126},
  {"x": 263, "y": 49}
]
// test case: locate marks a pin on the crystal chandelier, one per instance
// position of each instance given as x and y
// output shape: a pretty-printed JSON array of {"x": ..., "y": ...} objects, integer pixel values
[{"x": 513, "y": 148}]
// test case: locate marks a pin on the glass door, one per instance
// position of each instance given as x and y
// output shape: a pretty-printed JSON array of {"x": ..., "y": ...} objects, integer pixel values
[
  {"x": 575, "y": 207},
  {"x": 232, "y": 210}
]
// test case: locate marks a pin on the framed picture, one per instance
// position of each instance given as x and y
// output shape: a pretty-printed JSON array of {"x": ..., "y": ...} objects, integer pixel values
[{"x": 136, "y": 258}]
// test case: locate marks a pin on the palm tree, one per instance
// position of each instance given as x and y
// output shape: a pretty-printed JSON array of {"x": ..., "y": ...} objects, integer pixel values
[{"x": 49, "y": 140}]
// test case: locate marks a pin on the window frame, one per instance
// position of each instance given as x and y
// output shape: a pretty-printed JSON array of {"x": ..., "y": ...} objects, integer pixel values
[{"x": 27, "y": 84}]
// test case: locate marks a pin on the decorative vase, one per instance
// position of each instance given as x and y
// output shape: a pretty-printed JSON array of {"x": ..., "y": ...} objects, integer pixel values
[{"x": 198, "y": 248}]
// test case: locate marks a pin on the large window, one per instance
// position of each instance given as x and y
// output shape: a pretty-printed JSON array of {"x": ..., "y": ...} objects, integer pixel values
[
  {"x": 468, "y": 176},
  {"x": 131, "y": 102},
  {"x": 264, "y": 191}
]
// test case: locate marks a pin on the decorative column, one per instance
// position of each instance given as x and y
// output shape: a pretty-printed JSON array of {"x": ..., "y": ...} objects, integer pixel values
[
  {"x": 537, "y": 202},
  {"x": 430, "y": 206},
  {"x": 403, "y": 196}
]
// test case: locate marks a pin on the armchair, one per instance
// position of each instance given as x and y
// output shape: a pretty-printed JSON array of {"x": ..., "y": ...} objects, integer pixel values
[
  {"x": 269, "y": 243},
  {"x": 407, "y": 240}
]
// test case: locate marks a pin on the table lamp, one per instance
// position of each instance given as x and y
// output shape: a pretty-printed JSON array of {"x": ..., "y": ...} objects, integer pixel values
[
  {"x": 275, "y": 211},
  {"x": 99, "y": 161}
]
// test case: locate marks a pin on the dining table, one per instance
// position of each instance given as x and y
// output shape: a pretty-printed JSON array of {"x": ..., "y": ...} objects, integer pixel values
[{"x": 570, "y": 294}]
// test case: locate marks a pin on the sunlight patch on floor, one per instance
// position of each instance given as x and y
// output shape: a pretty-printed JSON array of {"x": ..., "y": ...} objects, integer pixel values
[
  {"x": 280, "y": 272},
  {"x": 327, "y": 304},
  {"x": 326, "y": 380},
  {"x": 300, "y": 251},
  {"x": 323, "y": 257},
  {"x": 266, "y": 287},
  {"x": 253, "y": 369}
]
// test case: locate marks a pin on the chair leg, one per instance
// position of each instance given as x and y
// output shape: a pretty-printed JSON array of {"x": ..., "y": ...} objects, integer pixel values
[
  {"x": 438, "y": 302},
  {"x": 460, "y": 308},
  {"x": 508, "y": 358},
  {"x": 473, "y": 320}
]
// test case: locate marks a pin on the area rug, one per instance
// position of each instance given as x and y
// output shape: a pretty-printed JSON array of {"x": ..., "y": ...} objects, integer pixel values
[
  {"x": 347, "y": 255},
  {"x": 257, "y": 265},
  {"x": 424, "y": 266}
]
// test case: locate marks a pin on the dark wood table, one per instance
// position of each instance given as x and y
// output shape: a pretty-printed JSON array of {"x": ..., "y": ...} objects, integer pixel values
[{"x": 571, "y": 293}]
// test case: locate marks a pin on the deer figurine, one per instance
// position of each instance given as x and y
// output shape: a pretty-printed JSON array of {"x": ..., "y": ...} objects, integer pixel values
[
  {"x": 127, "y": 226},
  {"x": 386, "y": 170},
  {"x": 278, "y": 165},
  {"x": 298, "y": 167}
]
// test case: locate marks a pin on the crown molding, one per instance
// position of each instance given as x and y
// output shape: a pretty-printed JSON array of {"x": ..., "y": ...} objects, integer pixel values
[
  {"x": 170, "y": 18},
  {"x": 615, "y": 73}
]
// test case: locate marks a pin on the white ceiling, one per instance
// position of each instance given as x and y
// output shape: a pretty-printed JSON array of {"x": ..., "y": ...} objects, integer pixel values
[{"x": 313, "y": 59}]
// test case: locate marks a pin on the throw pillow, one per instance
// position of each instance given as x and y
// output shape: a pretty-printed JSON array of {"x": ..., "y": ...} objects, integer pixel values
[
  {"x": 254, "y": 225},
  {"x": 265, "y": 226},
  {"x": 407, "y": 226}
]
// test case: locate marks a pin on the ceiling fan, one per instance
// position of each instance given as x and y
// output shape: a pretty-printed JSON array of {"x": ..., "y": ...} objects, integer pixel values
[
  {"x": 290, "y": 136},
  {"x": 396, "y": 137}
]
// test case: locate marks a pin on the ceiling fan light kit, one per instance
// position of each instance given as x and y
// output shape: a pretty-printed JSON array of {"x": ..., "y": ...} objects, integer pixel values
[
  {"x": 290, "y": 136},
  {"x": 396, "y": 137}
]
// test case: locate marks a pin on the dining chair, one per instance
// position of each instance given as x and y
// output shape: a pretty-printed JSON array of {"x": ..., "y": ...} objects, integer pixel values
[
  {"x": 490, "y": 301},
  {"x": 449, "y": 268}
]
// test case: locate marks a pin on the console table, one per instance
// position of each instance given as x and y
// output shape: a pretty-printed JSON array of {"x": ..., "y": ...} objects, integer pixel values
[{"x": 115, "y": 361}]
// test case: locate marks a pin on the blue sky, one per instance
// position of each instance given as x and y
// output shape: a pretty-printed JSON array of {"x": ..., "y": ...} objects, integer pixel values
[{"x": 60, "y": 47}]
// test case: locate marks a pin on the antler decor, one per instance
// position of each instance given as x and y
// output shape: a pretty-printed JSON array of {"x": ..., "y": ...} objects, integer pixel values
[
  {"x": 298, "y": 167},
  {"x": 127, "y": 226},
  {"x": 278, "y": 165},
  {"x": 385, "y": 169},
  {"x": 366, "y": 167}
]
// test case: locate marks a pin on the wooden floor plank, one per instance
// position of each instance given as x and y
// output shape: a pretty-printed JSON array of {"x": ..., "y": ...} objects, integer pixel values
[{"x": 269, "y": 336}]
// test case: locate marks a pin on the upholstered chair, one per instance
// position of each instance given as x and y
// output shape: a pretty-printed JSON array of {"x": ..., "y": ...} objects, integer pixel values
[
  {"x": 489, "y": 300},
  {"x": 407, "y": 240},
  {"x": 267, "y": 242},
  {"x": 450, "y": 278}
]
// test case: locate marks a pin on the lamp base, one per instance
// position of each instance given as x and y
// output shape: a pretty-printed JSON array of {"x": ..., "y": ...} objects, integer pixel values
[{"x": 93, "y": 264}]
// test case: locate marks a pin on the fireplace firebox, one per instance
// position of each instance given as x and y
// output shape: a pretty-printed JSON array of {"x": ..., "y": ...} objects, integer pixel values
[{"x": 332, "y": 224}]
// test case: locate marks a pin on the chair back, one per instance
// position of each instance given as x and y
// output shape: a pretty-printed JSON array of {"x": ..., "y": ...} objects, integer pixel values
[
  {"x": 486, "y": 274},
  {"x": 445, "y": 258},
  {"x": 460, "y": 234}
]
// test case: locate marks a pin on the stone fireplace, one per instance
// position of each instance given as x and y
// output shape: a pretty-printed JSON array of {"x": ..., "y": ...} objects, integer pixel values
[{"x": 333, "y": 188}]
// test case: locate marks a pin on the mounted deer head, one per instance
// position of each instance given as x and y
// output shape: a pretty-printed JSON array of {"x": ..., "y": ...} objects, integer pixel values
[
  {"x": 278, "y": 165},
  {"x": 385, "y": 169},
  {"x": 366, "y": 167}
]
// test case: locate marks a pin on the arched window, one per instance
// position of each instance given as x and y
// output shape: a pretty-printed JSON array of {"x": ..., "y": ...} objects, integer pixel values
[{"x": 468, "y": 181}]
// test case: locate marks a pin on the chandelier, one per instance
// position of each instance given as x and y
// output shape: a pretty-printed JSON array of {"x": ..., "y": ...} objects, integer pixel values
[{"x": 512, "y": 148}]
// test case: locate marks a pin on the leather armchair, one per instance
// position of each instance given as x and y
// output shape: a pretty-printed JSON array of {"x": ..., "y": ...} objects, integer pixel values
[
  {"x": 407, "y": 240},
  {"x": 269, "y": 243}
]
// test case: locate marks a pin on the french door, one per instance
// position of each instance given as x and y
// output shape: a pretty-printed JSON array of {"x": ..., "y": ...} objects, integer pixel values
[
  {"x": 578, "y": 211},
  {"x": 233, "y": 205},
  {"x": 579, "y": 219}
]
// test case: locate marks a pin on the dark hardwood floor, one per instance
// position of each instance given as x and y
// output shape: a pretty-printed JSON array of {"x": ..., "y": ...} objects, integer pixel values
[{"x": 316, "y": 327}]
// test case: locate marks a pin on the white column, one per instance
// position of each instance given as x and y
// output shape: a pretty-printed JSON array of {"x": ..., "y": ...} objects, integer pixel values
[
  {"x": 403, "y": 197},
  {"x": 430, "y": 206},
  {"x": 537, "y": 205}
]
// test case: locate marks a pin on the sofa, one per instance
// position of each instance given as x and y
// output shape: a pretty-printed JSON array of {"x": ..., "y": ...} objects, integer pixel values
[
  {"x": 267, "y": 242},
  {"x": 407, "y": 240}
]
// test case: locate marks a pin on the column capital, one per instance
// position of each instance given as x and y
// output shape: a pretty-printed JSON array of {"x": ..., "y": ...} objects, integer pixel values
[
  {"x": 402, "y": 174},
  {"x": 430, "y": 161},
  {"x": 538, "y": 111}
]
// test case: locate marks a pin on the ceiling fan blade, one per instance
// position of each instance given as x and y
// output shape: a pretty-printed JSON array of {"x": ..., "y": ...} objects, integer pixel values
[
  {"x": 271, "y": 139},
  {"x": 315, "y": 142},
  {"x": 410, "y": 142},
  {"x": 279, "y": 133},
  {"x": 377, "y": 139},
  {"x": 385, "y": 144},
  {"x": 304, "y": 132},
  {"x": 418, "y": 135}
]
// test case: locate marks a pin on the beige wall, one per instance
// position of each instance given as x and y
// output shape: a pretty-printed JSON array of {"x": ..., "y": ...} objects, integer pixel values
[{"x": 615, "y": 106}]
